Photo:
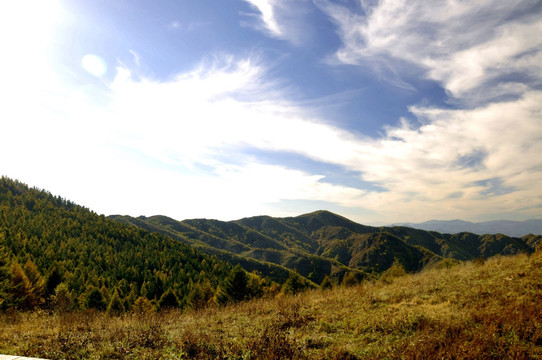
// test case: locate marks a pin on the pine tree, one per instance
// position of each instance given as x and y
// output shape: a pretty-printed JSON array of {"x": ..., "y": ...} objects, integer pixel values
[
  {"x": 5, "y": 298},
  {"x": 116, "y": 306},
  {"x": 142, "y": 306},
  {"x": 53, "y": 280},
  {"x": 168, "y": 300},
  {"x": 20, "y": 288},
  {"x": 37, "y": 283},
  {"x": 62, "y": 300},
  {"x": 95, "y": 300},
  {"x": 294, "y": 284},
  {"x": 237, "y": 284}
]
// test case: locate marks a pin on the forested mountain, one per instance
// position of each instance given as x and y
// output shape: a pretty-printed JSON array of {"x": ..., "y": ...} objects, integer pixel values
[
  {"x": 53, "y": 250},
  {"x": 274, "y": 250},
  {"x": 506, "y": 227},
  {"x": 322, "y": 243},
  {"x": 56, "y": 253}
]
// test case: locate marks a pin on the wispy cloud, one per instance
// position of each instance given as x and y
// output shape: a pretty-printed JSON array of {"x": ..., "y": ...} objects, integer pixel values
[
  {"x": 267, "y": 13},
  {"x": 281, "y": 19},
  {"x": 465, "y": 46}
]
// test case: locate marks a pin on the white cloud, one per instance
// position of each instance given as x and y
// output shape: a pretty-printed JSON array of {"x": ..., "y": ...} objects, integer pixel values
[
  {"x": 466, "y": 46},
  {"x": 282, "y": 19},
  {"x": 420, "y": 168},
  {"x": 267, "y": 10},
  {"x": 167, "y": 147}
]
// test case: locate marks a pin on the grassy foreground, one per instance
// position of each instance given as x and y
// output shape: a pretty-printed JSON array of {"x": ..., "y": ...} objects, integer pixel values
[{"x": 477, "y": 310}]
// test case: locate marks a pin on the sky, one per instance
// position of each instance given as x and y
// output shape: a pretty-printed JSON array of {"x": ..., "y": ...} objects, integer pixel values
[{"x": 381, "y": 111}]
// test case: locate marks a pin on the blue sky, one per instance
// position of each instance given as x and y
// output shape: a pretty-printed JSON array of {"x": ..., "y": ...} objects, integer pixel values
[{"x": 382, "y": 111}]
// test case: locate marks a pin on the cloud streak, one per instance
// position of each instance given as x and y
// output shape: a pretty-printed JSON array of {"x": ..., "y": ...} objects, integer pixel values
[
  {"x": 468, "y": 47},
  {"x": 282, "y": 19}
]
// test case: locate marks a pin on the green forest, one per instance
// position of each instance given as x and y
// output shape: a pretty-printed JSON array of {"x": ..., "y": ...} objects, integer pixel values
[{"x": 55, "y": 254}]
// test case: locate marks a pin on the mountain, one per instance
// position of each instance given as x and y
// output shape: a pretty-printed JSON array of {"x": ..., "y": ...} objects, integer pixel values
[
  {"x": 506, "y": 227},
  {"x": 47, "y": 243},
  {"x": 267, "y": 245},
  {"x": 322, "y": 244}
]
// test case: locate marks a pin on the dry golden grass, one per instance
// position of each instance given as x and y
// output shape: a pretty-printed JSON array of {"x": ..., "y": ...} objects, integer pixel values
[{"x": 490, "y": 310}]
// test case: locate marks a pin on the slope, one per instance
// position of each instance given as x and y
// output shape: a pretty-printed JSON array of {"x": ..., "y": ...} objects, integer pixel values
[
  {"x": 46, "y": 240},
  {"x": 475, "y": 310}
]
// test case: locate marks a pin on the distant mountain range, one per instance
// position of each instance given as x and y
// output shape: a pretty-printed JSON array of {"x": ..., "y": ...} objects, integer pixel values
[{"x": 506, "y": 227}]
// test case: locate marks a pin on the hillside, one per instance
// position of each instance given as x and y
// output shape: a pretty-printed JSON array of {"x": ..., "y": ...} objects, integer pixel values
[
  {"x": 506, "y": 227},
  {"x": 275, "y": 251},
  {"x": 321, "y": 244},
  {"x": 475, "y": 310},
  {"x": 50, "y": 245}
]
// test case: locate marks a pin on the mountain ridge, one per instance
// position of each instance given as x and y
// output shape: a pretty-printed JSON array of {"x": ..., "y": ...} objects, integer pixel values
[{"x": 321, "y": 243}]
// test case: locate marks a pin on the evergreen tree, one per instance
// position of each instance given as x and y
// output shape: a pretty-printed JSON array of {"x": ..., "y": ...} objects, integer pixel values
[
  {"x": 21, "y": 288},
  {"x": 37, "y": 282},
  {"x": 168, "y": 300},
  {"x": 196, "y": 297},
  {"x": 5, "y": 301},
  {"x": 53, "y": 280},
  {"x": 255, "y": 286},
  {"x": 116, "y": 306},
  {"x": 294, "y": 284},
  {"x": 220, "y": 297},
  {"x": 62, "y": 301},
  {"x": 142, "y": 306},
  {"x": 95, "y": 300},
  {"x": 237, "y": 284}
]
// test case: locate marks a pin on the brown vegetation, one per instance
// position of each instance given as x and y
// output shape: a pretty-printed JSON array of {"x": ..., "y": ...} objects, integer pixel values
[{"x": 477, "y": 310}]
